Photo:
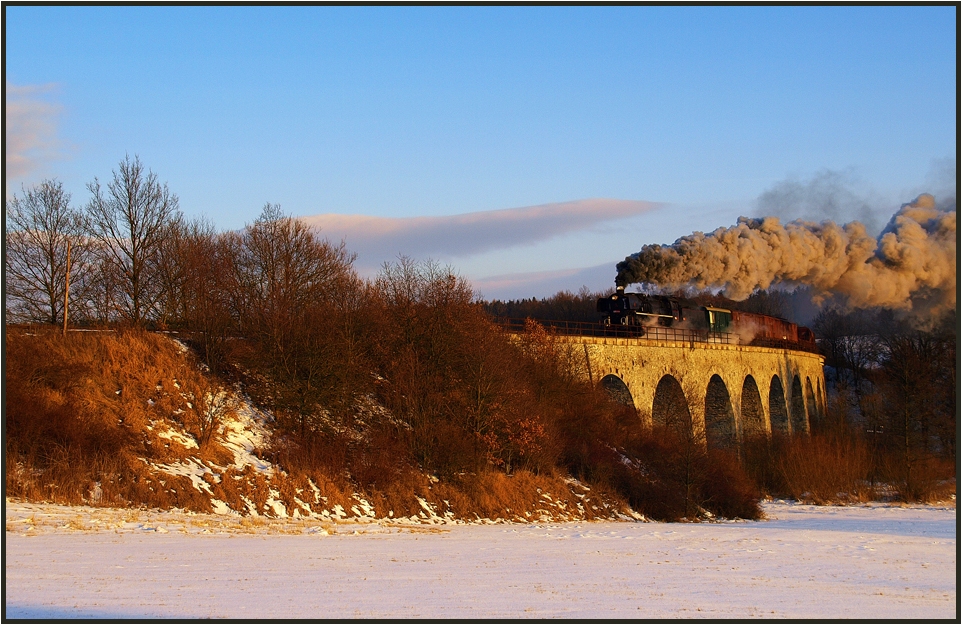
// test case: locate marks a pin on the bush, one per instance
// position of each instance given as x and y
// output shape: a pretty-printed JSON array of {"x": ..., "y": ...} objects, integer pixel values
[
  {"x": 825, "y": 469},
  {"x": 927, "y": 478},
  {"x": 838, "y": 466},
  {"x": 727, "y": 490},
  {"x": 760, "y": 457},
  {"x": 672, "y": 478}
]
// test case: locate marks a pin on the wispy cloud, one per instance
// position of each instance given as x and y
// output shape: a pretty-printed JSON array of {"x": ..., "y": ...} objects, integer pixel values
[
  {"x": 546, "y": 283},
  {"x": 376, "y": 239},
  {"x": 31, "y": 129}
]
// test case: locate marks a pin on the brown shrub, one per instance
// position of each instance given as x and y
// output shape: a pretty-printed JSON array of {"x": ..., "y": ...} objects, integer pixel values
[
  {"x": 668, "y": 477},
  {"x": 825, "y": 469},
  {"x": 927, "y": 479},
  {"x": 760, "y": 460},
  {"x": 727, "y": 490},
  {"x": 381, "y": 460},
  {"x": 837, "y": 465}
]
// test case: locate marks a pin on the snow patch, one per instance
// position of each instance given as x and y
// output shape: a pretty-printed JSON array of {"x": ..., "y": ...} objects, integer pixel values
[
  {"x": 194, "y": 469},
  {"x": 179, "y": 438}
]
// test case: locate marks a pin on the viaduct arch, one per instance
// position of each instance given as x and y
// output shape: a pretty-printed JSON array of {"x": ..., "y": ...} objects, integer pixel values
[{"x": 728, "y": 392}]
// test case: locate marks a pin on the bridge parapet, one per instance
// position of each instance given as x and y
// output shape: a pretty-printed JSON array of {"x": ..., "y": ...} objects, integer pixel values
[{"x": 655, "y": 334}]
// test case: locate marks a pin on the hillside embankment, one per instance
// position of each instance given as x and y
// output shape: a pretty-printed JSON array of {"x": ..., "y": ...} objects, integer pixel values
[{"x": 132, "y": 419}]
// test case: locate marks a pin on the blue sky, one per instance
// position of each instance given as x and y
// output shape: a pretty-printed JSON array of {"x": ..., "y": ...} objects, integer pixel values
[{"x": 626, "y": 125}]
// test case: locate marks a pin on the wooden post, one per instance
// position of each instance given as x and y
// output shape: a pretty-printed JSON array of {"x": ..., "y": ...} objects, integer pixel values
[{"x": 66, "y": 291}]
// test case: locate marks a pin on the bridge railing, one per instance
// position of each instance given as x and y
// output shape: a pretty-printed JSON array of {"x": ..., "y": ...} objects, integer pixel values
[{"x": 653, "y": 333}]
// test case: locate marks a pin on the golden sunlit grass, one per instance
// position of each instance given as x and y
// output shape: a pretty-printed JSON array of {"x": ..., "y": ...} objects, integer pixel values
[
  {"x": 85, "y": 411},
  {"x": 89, "y": 414}
]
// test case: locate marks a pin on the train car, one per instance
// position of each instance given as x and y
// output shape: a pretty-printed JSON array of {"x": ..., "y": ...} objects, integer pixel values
[
  {"x": 718, "y": 319},
  {"x": 774, "y": 331},
  {"x": 765, "y": 326}
]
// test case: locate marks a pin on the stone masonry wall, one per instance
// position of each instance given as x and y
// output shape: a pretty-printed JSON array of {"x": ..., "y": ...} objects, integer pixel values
[{"x": 641, "y": 364}]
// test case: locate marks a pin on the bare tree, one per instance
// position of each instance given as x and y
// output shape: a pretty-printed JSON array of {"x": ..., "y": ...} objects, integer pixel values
[
  {"x": 282, "y": 267},
  {"x": 98, "y": 290},
  {"x": 130, "y": 219},
  {"x": 201, "y": 285},
  {"x": 40, "y": 225},
  {"x": 290, "y": 292},
  {"x": 172, "y": 269}
]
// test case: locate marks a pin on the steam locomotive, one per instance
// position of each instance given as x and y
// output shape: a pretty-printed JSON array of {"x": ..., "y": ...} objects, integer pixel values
[{"x": 643, "y": 314}]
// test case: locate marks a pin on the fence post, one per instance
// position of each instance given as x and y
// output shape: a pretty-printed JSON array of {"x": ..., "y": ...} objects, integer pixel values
[{"x": 66, "y": 291}]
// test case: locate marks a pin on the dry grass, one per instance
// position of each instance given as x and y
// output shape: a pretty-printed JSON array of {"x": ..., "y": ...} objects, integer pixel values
[
  {"x": 529, "y": 496},
  {"x": 84, "y": 410},
  {"x": 494, "y": 495}
]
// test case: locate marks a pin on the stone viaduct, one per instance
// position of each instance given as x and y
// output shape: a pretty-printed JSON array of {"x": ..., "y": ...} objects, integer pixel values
[{"x": 728, "y": 392}]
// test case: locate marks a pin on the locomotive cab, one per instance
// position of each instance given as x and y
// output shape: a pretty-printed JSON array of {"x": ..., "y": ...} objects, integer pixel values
[
  {"x": 638, "y": 309},
  {"x": 718, "y": 319}
]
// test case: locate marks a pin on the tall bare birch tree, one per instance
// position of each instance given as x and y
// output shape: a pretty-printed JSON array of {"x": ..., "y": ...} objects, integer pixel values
[{"x": 130, "y": 219}]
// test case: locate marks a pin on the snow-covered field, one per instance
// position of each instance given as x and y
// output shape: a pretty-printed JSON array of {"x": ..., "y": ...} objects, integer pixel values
[{"x": 805, "y": 562}]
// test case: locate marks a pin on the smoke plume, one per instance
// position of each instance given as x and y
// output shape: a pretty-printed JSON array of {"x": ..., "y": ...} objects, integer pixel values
[
  {"x": 828, "y": 195},
  {"x": 912, "y": 261}
]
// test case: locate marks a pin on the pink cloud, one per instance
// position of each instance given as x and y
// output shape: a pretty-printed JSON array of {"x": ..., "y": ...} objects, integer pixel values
[
  {"x": 31, "y": 129},
  {"x": 470, "y": 233},
  {"x": 546, "y": 283}
]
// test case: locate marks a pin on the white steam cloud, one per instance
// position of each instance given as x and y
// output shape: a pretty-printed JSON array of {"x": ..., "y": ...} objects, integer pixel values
[{"x": 911, "y": 264}]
